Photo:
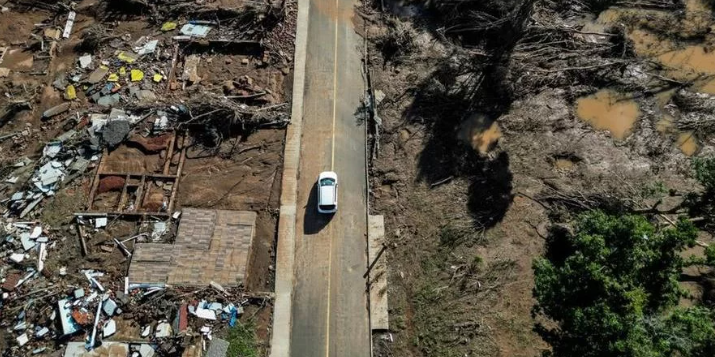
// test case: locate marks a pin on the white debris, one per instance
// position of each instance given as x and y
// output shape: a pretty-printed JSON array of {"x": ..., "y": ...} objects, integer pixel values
[
  {"x": 22, "y": 339},
  {"x": 41, "y": 332},
  {"x": 85, "y": 61},
  {"x": 69, "y": 24},
  {"x": 195, "y": 30},
  {"x": 147, "y": 48},
  {"x": 205, "y": 313},
  {"x": 146, "y": 331},
  {"x": 27, "y": 242},
  {"x": 41, "y": 256},
  {"x": 52, "y": 149},
  {"x": 109, "y": 307},
  {"x": 110, "y": 327},
  {"x": 163, "y": 330},
  {"x": 100, "y": 222},
  {"x": 36, "y": 232},
  {"x": 17, "y": 257}
]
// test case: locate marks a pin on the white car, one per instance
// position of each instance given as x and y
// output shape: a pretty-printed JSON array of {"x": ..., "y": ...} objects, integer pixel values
[{"x": 327, "y": 192}]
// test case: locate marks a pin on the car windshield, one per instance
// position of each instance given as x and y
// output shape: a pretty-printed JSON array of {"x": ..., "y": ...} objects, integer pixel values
[{"x": 327, "y": 182}]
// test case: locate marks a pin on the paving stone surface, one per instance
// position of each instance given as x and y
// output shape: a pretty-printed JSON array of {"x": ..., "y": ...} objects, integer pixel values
[{"x": 211, "y": 245}]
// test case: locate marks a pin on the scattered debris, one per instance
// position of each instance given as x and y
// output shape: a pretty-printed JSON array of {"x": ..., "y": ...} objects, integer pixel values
[
  {"x": 69, "y": 24},
  {"x": 117, "y": 121}
]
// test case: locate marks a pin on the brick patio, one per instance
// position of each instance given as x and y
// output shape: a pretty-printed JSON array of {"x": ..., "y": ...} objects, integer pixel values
[{"x": 211, "y": 245}]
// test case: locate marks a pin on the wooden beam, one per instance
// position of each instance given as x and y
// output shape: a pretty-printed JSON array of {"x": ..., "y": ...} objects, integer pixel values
[
  {"x": 175, "y": 187},
  {"x": 123, "y": 196},
  {"x": 140, "y": 192},
  {"x": 169, "y": 154},
  {"x": 95, "y": 183}
]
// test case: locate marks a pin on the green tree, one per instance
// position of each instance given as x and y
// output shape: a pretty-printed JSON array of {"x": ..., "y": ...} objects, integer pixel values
[
  {"x": 704, "y": 169},
  {"x": 612, "y": 286}
]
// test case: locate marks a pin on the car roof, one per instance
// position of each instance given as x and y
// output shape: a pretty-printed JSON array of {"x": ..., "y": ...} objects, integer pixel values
[{"x": 327, "y": 195}]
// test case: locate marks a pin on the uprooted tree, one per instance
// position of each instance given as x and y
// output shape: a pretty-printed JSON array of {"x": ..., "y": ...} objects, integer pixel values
[{"x": 611, "y": 287}]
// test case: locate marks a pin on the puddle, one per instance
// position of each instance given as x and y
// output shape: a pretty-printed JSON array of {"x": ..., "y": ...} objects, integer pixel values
[
  {"x": 609, "y": 110},
  {"x": 665, "y": 125},
  {"x": 688, "y": 62},
  {"x": 480, "y": 133},
  {"x": 564, "y": 164},
  {"x": 708, "y": 87},
  {"x": 687, "y": 143},
  {"x": 685, "y": 60},
  {"x": 17, "y": 60}
]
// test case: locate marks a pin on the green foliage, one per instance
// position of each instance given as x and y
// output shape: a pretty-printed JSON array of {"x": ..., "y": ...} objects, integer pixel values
[
  {"x": 655, "y": 189},
  {"x": 611, "y": 285},
  {"x": 710, "y": 255},
  {"x": 242, "y": 341},
  {"x": 705, "y": 172}
]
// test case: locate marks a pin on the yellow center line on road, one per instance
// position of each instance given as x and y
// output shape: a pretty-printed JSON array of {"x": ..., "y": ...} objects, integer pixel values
[{"x": 332, "y": 168}]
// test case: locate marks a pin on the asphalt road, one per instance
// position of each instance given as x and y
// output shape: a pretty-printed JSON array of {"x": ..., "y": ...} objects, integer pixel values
[{"x": 330, "y": 316}]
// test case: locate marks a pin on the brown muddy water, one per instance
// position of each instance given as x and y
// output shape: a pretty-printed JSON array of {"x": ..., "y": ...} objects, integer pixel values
[
  {"x": 685, "y": 48},
  {"x": 480, "y": 133},
  {"x": 609, "y": 110}
]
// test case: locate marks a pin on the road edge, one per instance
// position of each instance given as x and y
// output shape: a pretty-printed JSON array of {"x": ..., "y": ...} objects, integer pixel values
[{"x": 285, "y": 247}]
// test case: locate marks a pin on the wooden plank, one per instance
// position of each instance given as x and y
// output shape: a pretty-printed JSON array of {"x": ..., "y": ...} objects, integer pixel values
[
  {"x": 95, "y": 183},
  {"x": 123, "y": 195},
  {"x": 158, "y": 176},
  {"x": 169, "y": 154},
  {"x": 140, "y": 192},
  {"x": 379, "y": 318},
  {"x": 175, "y": 187}
]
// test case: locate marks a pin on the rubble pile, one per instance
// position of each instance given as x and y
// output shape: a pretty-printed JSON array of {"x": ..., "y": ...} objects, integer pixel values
[{"x": 86, "y": 90}]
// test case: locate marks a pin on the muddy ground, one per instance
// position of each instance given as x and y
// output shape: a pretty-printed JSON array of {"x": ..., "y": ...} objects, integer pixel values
[
  {"x": 469, "y": 183},
  {"x": 232, "y": 161}
]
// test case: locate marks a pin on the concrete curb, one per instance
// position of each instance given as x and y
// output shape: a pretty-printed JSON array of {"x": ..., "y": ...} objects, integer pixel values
[{"x": 285, "y": 249}]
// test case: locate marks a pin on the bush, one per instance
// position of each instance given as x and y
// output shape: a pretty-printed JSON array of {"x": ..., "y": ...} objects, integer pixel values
[
  {"x": 612, "y": 288},
  {"x": 705, "y": 172}
]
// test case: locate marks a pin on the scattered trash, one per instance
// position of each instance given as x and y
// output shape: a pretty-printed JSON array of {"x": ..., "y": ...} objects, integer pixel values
[
  {"x": 69, "y": 24},
  {"x": 98, "y": 74},
  {"x": 56, "y": 110},
  {"x": 22, "y": 339},
  {"x": 195, "y": 30},
  {"x": 137, "y": 75},
  {"x": 109, "y": 307},
  {"x": 163, "y": 330},
  {"x": 100, "y": 222},
  {"x": 168, "y": 26},
  {"x": 110, "y": 327},
  {"x": 127, "y": 57},
  {"x": 121, "y": 92},
  {"x": 147, "y": 48},
  {"x": 70, "y": 93},
  {"x": 205, "y": 313},
  {"x": 85, "y": 61}
]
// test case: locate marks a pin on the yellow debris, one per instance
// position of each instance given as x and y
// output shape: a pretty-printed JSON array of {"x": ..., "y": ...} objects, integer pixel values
[
  {"x": 113, "y": 77},
  {"x": 122, "y": 71},
  {"x": 70, "y": 92},
  {"x": 137, "y": 75},
  {"x": 126, "y": 57},
  {"x": 158, "y": 77},
  {"x": 168, "y": 26}
]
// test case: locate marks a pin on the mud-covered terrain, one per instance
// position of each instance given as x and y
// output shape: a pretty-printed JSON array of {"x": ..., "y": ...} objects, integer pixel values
[
  {"x": 115, "y": 116},
  {"x": 503, "y": 118}
]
